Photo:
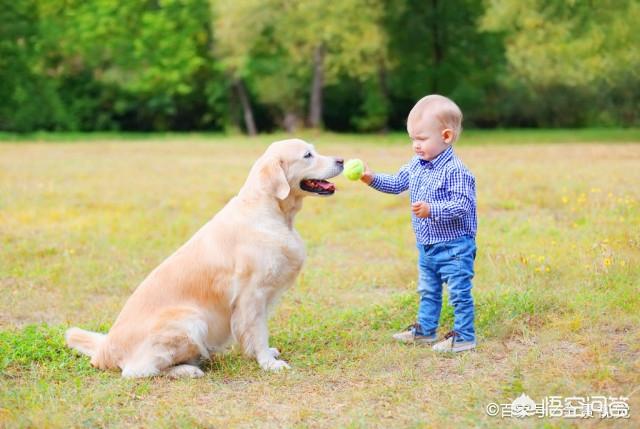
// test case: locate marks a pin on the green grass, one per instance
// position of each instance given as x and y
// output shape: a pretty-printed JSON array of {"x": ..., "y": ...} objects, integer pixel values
[
  {"x": 472, "y": 136},
  {"x": 556, "y": 287}
]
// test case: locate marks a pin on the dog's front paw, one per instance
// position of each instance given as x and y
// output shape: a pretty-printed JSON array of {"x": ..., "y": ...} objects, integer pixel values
[
  {"x": 274, "y": 365},
  {"x": 274, "y": 352}
]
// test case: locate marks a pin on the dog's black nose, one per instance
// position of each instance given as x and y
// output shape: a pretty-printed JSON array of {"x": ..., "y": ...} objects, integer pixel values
[{"x": 339, "y": 161}]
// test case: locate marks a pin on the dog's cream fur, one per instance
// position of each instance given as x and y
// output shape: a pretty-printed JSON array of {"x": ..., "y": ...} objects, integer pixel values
[{"x": 219, "y": 286}]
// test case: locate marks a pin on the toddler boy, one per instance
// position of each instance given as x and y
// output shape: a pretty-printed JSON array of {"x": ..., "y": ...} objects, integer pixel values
[{"x": 443, "y": 206}]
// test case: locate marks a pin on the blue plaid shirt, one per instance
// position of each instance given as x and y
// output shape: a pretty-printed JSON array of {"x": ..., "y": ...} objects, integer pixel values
[{"x": 447, "y": 186}]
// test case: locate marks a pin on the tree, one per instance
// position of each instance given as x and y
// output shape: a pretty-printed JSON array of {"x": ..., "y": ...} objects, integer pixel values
[
  {"x": 435, "y": 46},
  {"x": 574, "y": 43},
  {"x": 324, "y": 40},
  {"x": 237, "y": 28},
  {"x": 578, "y": 59},
  {"x": 149, "y": 52},
  {"x": 29, "y": 98},
  {"x": 282, "y": 47}
]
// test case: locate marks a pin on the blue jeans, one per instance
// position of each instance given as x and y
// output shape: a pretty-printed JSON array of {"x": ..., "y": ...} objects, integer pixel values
[{"x": 449, "y": 262}]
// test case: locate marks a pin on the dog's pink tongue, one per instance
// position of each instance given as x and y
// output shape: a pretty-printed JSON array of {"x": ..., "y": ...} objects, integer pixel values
[{"x": 327, "y": 186}]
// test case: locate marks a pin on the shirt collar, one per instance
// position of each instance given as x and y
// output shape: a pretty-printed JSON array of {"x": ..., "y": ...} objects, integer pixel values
[{"x": 439, "y": 160}]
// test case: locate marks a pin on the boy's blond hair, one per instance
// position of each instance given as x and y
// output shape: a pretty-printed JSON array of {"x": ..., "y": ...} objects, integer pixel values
[{"x": 443, "y": 109}]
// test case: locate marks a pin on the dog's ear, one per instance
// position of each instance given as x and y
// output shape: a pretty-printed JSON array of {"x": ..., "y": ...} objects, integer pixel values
[{"x": 273, "y": 177}]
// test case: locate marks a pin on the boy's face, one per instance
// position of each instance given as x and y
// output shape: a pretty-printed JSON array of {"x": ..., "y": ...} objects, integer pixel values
[{"x": 427, "y": 136}]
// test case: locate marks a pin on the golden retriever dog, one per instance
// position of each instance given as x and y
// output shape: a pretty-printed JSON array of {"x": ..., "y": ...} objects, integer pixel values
[{"x": 220, "y": 285}]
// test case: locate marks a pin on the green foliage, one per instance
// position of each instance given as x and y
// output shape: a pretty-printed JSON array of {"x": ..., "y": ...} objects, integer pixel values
[
  {"x": 29, "y": 99},
  {"x": 571, "y": 63},
  {"x": 172, "y": 64},
  {"x": 374, "y": 109},
  {"x": 440, "y": 49},
  {"x": 349, "y": 30},
  {"x": 573, "y": 43}
]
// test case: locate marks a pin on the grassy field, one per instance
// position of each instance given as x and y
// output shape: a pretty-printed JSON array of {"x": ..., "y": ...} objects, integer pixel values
[{"x": 556, "y": 288}]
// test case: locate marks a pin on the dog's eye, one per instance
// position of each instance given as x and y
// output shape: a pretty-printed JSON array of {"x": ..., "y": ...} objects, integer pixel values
[{"x": 308, "y": 155}]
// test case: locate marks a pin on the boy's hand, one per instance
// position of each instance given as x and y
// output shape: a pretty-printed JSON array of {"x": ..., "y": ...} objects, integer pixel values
[
  {"x": 421, "y": 209},
  {"x": 367, "y": 176}
]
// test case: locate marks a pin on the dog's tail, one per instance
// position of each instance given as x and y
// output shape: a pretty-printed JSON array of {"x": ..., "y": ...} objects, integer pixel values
[{"x": 86, "y": 342}]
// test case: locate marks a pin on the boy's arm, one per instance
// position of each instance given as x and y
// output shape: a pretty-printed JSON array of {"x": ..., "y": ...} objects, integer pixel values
[
  {"x": 462, "y": 188},
  {"x": 388, "y": 183}
]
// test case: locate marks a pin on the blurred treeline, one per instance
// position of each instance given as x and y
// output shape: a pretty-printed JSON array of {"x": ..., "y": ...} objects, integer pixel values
[{"x": 345, "y": 65}]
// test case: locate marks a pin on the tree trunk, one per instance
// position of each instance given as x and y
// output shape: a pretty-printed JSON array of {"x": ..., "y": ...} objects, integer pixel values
[
  {"x": 315, "y": 105},
  {"x": 290, "y": 122},
  {"x": 249, "y": 122}
]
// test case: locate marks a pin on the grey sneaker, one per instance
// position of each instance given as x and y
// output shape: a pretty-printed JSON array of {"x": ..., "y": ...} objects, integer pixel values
[
  {"x": 411, "y": 336},
  {"x": 451, "y": 344}
]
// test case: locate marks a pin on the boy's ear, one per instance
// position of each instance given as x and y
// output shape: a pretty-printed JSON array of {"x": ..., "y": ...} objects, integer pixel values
[{"x": 447, "y": 135}]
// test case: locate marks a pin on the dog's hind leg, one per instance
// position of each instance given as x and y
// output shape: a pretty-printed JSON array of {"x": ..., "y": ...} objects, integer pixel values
[
  {"x": 148, "y": 361},
  {"x": 164, "y": 356},
  {"x": 172, "y": 343},
  {"x": 155, "y": 365},
  {"x": 183, "y": 370}
]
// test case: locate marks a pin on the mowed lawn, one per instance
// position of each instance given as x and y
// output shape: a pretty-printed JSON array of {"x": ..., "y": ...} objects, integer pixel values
[{"x": 83, "y": 221}]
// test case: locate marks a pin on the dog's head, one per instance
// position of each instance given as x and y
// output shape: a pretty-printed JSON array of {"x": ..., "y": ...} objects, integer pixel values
[{"x": 293, "y": 167}]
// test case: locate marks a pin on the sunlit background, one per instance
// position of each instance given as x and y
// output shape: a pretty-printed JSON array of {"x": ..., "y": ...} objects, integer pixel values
[{"x": 349, "y": 65}]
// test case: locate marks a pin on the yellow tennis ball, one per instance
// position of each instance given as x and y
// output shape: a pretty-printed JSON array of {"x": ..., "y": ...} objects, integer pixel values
[{"x": 353, "y": 169}]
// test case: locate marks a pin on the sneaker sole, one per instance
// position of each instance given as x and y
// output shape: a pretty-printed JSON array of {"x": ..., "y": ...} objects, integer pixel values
[
  {"x": 458, "y": 348},
  {"x": 423, "y": 341}
]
